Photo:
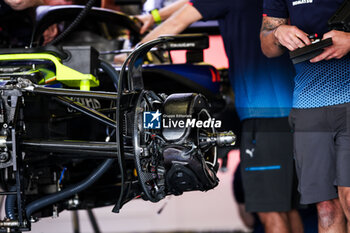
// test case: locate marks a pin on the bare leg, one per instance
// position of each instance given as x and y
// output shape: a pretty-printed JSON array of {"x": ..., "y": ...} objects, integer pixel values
[
  {"x": 344, "y": 197},
  {"x": 275, "y": 222},
  {"x": 331, "y": 218},
  {"x": 295, "y": 222},
  {"x": 247, "y": 218}
]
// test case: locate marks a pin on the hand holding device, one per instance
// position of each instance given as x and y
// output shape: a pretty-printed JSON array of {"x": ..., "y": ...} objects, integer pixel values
[{"x": 310, "y": 51}]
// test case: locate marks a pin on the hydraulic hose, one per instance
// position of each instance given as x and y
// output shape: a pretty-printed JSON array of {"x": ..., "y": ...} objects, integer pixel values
[
  {"x": 10, "y": 204},
  {"x": 74, "y": 189},
  {"x": 75, "y": 23},
  {"x": 109, "y": 69}
]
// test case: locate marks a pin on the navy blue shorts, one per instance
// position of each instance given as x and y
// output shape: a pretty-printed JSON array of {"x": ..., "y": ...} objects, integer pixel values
[{"x": 267, "y": 165}]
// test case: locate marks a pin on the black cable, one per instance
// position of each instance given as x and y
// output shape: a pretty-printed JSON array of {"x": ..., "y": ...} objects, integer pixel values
[
  {"x": 112, "y": 73},
  {"x": 68, "y": 192},
  {"x": 10, "y": 204},
  {"x": 75, "y": 23},
  {"x": 109, "y": 69}
]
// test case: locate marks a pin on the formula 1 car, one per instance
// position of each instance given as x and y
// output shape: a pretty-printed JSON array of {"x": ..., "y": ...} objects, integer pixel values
[{"x": 78, "y": 133}]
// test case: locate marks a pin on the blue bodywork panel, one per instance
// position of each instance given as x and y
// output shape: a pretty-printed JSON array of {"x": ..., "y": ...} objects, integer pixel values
[{"x": 204, "y": 75}]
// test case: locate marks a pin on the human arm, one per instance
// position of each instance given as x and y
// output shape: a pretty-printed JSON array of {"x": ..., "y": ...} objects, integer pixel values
[
  {"x": 340, "y": 47},
  {"x": 164, "y": 13},
  {"x": 176, "y": 23},
  {"x": 276, "y": 35}
]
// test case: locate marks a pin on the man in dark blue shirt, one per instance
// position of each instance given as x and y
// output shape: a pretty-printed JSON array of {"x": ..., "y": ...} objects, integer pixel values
[
  {"x": 263, "y": 100},
  {"x": 321, "y": 104}
]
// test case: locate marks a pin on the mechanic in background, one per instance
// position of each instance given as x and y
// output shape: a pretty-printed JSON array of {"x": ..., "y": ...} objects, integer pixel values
[
  {"x": 263, "y": 98},
  {"x": 149, "y": 20}
]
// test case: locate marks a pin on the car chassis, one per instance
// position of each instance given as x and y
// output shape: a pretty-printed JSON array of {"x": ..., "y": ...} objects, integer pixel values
[{"x": 47, "y": 131}]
